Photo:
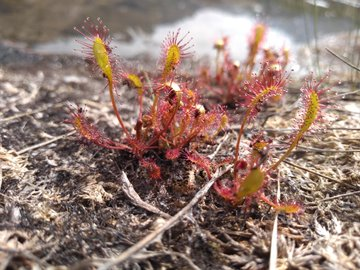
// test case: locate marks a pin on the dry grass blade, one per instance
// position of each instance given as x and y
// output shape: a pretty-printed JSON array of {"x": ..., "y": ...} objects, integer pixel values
[
  {"x": 321, "y": 175},
  {"x": 167, "y": 225},
  {"x": 285, "y": 130},
  {"x": 343, "y": 60},
  {"x": 274, "y": 245},
  {"x": 274, "y": 236},
  {"x": 312, "y": 149},
  {"x": 12, "y": 163},
  {"x": 44, "y": 143},
  {"x": 336, "y": 197},
  {"x": 16, "y": 116},
  {"x": 220, "y": 145},
  {"x": 0, "y": 176},
  {"x": 130, "y": 192}
]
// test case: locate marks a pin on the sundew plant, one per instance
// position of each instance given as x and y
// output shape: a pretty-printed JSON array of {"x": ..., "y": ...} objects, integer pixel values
[
  {"x": 177, "y": 123},
  {"x": 172, "y": 123}
]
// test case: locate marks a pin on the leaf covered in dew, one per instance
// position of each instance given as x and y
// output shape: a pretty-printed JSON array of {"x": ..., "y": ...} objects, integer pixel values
[
  {"x": 88, "y": 131},
  {"x": 96, "y": 48},
  {"x": 292, "y": 208},
  {"x": 200, "y": 161},
  {"x": 129, "y": 74},
  {"x": 102, "y": 57},
  {"x": 251, "y": 184},
  {"x": 174, "y": 50},
  {"x": 135, "y": 80},
  {"x": 313, "y": 104},
  {"x": 311, "y": 113},
  {"x": 152, "y": 169},
  {"x": 172, "y": 154},
  {"x": 225, "y": 188},
  {"x": 271, "y": 82}
]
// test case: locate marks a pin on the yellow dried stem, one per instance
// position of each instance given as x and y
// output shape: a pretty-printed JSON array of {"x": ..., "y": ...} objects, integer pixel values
[
  {"x": 223, "y": 122},
  {"x": 259, "y": 34}
]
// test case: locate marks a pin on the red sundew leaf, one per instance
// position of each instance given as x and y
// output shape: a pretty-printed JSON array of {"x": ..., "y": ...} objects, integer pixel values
[
  {"x": 214, "y": 122},
  {"x": 225, "y": 189},
  {"x": 310, "y": 116},
  {"x": 130, "y": 76},
  {"x": 270, "y": 83},
  {"x": 172, "y": 154},
  {"x": 138, "y": 147},
  {"x": 152, "y": 169},
  {"x": 90, "y": 132},
  {"x": 200, "y": 161},
  {"x": 288, "y": 208},
  {"x": 250, "y": 184},
  {"x": 241, "y": 165},
  {"x": 225, "y": 161}
]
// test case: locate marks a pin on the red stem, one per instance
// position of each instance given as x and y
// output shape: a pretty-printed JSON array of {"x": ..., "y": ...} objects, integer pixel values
[
  {"x": 241, "y": 130},
  {"x": 113, "y": 102},
  {"x": 166, "y": 127}
]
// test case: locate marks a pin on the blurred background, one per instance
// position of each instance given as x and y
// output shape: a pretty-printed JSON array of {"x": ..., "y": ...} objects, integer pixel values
[{"x": 139, "y": 26}]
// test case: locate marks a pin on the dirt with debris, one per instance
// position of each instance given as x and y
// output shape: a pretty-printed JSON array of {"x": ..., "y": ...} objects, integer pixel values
[{"x": 63, "y": 204}]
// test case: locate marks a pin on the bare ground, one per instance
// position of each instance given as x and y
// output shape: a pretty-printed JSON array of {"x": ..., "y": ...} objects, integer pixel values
[{"x": 63, "y": 203}]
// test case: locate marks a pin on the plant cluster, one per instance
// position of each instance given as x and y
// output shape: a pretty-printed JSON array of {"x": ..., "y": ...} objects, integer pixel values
[
  {"x": 232, "y": 76},
  {"x": 251, "y": 171},
  {"x": 176, "y": 123}
]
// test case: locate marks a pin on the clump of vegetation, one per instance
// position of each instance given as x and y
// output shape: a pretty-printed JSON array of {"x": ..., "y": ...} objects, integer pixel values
[
  {"x": 232, "y": 77},
  {"x": 250, "y": 173},
  {"x": 176, "y": 123},
  {"x": 175, "y": 119}
]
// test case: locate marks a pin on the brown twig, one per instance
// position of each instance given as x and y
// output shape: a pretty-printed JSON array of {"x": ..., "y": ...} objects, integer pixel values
[
  {"x": 167, "y": 225},
  {"x": 343, "y": 128},
  {"x": 340, "y": 195},
  {"x": 135, "y": 198}
]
